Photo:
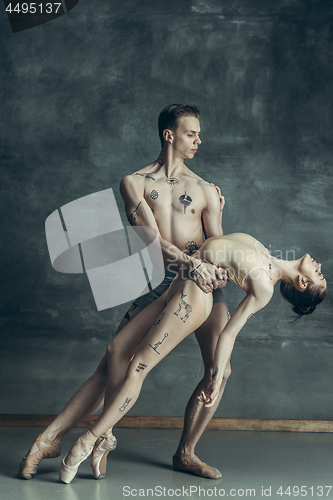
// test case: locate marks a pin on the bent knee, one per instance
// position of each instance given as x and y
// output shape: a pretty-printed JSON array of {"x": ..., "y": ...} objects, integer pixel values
[{"x": 114, "y": 354}]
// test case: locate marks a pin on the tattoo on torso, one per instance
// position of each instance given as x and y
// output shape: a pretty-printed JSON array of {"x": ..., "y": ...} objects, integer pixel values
[
  {"x": 185, "y": 200},
  {"x": 172, "y": 181},
  {"x": 125, "y": 405},
  {"x": 191, "y": 247},
  {"x": 183, "y": 305},
  {"x": 155, "y": 346},
  {"x": 154, "y": 194},
  {"x": 147, "y": 176},
  {"x": 134, "y": 214}
]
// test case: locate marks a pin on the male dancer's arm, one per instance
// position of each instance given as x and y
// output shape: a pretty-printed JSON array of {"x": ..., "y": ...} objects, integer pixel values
[{"x": 140, "y": 214}]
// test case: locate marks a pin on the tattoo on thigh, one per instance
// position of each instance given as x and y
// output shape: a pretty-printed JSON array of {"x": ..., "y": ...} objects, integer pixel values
[
  {"x": 145, "y": 175},
  {"x": 155, "y": 346},
  {"x": 215, "y": 372},
  {"x": 191, "y": 247},
  {"x": 154, "y": 194},
  {"x": 125, "y": 405},
  {"x": 185, "y": 200},
  {"x": 140, "y": 367},
  {"x": 183, "y": 305},
  {"x": 134, "y": 214},
  {"x": 158, "y": 321}
]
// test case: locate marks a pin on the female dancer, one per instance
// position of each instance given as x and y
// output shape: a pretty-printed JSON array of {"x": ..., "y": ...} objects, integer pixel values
[{"x": 249, "y": 266}]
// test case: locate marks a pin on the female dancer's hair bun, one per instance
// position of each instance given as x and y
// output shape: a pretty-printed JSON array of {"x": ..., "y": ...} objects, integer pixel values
[{"x": 302, "y": 311}]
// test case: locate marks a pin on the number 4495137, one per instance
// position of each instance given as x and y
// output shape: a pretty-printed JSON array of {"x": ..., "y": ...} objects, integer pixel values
[
  {"x": 303, "y": 491},
  {"x": 33, "y": 8}
]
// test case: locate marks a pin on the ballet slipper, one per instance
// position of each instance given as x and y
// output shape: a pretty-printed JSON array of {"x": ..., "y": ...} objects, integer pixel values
[
  {"x": 193, "y": 465},
  {"x": 68, "y": 472},
  {"x": 102, "y": 448},
  {"x": 29, "y": 464}
]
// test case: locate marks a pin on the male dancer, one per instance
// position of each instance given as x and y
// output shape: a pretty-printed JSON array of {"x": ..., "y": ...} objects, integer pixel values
[{"x": 181, "y": 207}]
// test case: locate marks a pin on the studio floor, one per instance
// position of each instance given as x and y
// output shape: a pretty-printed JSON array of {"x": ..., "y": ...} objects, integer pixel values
[{"x": 253, "y": 465}]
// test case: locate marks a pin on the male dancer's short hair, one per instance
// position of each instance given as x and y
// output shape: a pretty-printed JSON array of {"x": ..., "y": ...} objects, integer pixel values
[{"x": 169, "y": 116}]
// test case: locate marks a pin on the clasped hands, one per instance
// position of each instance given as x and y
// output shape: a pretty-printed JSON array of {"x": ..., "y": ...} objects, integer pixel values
[{"x": 207, "y": 276}]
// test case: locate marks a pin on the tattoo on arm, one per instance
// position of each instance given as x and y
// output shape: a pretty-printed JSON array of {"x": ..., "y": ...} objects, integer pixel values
[
  {"x": 161, "y": 162},
  {"x": 146, "y": 176},
  {"x": 134, "y": 214},
  {"x": 140, "y": 367},
  {"x": 183, "y": 305},
  {"x": 215, "y": 372},
  {"x": 191, "y": 247},
  {"x": 155, "y": 346},
  {"x": 185, "y": 200},
  {"x": 125, "y": 405}
]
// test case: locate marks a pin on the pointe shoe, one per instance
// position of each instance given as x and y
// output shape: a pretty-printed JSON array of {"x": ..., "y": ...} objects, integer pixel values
[
  {"x": 193, "y": 465},
  {"x": 103, "y": 446},
  {"x": 68, "y": 472},
  {"x": 29, "y": 464}
]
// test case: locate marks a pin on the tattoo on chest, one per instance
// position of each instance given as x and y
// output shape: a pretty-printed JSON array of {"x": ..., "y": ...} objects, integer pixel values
[
  {"x": 125, "y": 405},
  {"x": 134, "y": 214},
  {"x": 140, "y": 367},
  {"x": 172, "y": 181},
  {"x": 187, "y": 309},
  {"x": 191, "y": 247},
  {"x": 155, "y": 346},
  {"x": 147, "y": 176},
  {"x": 185, "y": 200},
  {"x": 154, "y": 194}
]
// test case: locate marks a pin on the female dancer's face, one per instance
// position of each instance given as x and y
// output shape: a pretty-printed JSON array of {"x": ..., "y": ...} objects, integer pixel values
[{"x": 311, "y": 270}]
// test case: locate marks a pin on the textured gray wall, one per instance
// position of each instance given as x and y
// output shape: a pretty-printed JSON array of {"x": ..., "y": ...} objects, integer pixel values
[{"x": 79, "y": 101}]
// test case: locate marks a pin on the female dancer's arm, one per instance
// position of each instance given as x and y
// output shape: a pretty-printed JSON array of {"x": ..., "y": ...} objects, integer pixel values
[{"x": 253, "y": 302}]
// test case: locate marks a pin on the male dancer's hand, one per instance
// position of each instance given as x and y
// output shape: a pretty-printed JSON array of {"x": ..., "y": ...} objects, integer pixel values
[{"x": 207, "y": 276}]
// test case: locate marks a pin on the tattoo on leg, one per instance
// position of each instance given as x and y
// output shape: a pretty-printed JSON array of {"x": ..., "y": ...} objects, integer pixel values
[
  {"x": 145, "y": 175},
  {"x": 185, "y": 200},
  {"x": 134, "y": 214},
  {"x": 154, "y": 194},
  {"x": 215, "y": 372},
  {"x": 158, "y": 321},
  {"x": 172, "y": 181},
  {"x": 140, "y": 367},
  {"x": 155, "y": 346},
  {"x": 183, "y": 305},
  {"x": 191, "y": 247},
  {"x": 125, "y": 405}
]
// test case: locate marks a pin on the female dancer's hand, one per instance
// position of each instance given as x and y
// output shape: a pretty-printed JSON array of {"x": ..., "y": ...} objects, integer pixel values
[{"x": 209, "y": 395}]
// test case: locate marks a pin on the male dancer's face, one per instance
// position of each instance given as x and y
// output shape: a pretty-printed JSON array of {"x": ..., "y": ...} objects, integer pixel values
[{"x": 186, "y": 136}]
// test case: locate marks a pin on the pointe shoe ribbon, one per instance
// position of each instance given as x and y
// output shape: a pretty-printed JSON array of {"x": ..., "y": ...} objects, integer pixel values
[
  {"x": 193, "y": 465},
  {"x": 102, "y": 448},
  {"x": 29, "y": 463}
]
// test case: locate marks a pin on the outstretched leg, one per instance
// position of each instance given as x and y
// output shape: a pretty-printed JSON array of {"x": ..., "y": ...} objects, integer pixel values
[
  {"x": 85, "y": 402},
  {"x": 197, "y": 416},
  {"x": 160, "y": 340}
]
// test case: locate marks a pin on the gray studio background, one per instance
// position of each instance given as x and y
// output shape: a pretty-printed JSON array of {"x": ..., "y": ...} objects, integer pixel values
[{"x": 79, "y": 101}]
